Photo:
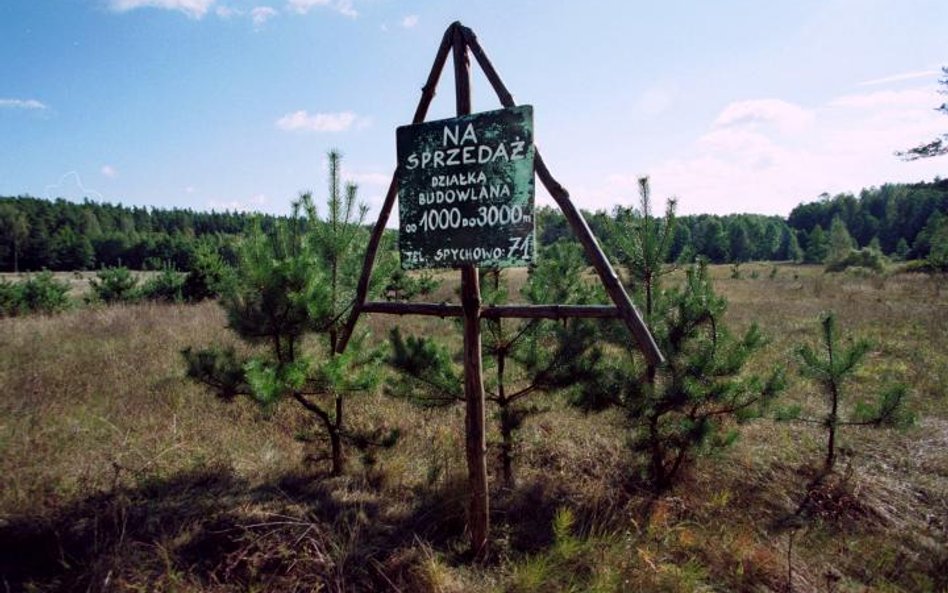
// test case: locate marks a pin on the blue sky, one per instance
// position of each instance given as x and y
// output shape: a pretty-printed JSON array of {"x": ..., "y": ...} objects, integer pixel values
[{"x": 733, "y": 106}]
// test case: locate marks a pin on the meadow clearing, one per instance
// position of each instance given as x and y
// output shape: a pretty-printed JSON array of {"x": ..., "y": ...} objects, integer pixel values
[{"x": 119, "y": 474}]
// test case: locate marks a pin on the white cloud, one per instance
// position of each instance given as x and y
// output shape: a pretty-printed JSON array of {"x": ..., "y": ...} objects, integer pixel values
[
  {"x": 767, "y": 156},
  {"x": 193, "y": 8},
  {"x": 70, "y": 186},
  {"x": 901, "y": 77},
  {"x": 109, "y": 171},
  {"x": 261, "y": 14},
  {"x": 197, "y": 9},
  {"x": 254, "y": 202},
  {"x": 303, "y": 121},
  {"x": 304, "y": 6},
  {"x": 21, "y": 104},
  {"x": 410, "y": 21},
  {"x": 189, "y": 189},
  {"x": 786, "y": 117},
  {"x": 343, "y": 7},
  {"x": 226, "y": 12}
]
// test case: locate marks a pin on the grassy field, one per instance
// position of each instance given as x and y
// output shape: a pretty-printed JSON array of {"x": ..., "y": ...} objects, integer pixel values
[{"x": 121, "y": 475}]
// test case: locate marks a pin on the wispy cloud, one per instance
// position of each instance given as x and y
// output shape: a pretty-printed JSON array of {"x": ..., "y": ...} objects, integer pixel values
[
  {"x": 193, "y": 8},
  {"x": 226, "y": 12},
  {"x": 109, "y": 171},
  {"x": 785, "y": 116},
  {"x": 70, "y": 186},
  {"x": 262, "y": 14},
  {"x": 304, "y": 6},
  {"x": 255, "y": 202},
  {"x": 343, "y": 7},
  {"x": 410, "y": 21},
  {"x": 197, "y": 9},
  {"x": 767, "y": 156},
  {"x": 21, "y": 104},
  {"x": 900, "y": 77},
  {"x": 303, "y": 121}
]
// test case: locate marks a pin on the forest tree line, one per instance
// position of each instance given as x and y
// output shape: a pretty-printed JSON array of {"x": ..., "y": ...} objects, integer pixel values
[
  {"x": 37, "y": 234},
  {"x": 897, "y": 220}
]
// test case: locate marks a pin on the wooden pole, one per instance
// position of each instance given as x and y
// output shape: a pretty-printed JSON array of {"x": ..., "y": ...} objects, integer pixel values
[
  {"x": 427, "y": 94},
  {"x": 607, "y": 275},
  {"x": 476, "y": 440},
  {"x": 550, "y": 311},
  {"x": 495, "y": 311},
  {"x": 576, "y": 221},
  {"x": 459, "y": 39},
  {"x": 430, "y": 309}
]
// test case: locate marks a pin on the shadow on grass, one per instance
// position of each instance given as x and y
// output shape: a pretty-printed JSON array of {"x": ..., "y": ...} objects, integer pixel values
[{"x": 211, "y": 530}]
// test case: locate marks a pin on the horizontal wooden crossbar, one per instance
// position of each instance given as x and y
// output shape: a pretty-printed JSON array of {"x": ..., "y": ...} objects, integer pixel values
[
  {"x": 431, "y": 309},
  {"x": 550, "y": 311},
  {"x": 496, "y": 311}
]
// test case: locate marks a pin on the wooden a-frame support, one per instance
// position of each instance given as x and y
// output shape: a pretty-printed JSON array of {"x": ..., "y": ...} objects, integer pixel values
[{"x": 459, "y": 40}]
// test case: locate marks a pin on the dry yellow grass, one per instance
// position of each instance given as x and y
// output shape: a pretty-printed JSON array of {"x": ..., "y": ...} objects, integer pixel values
[
  {"x": 96, "y": 397},
  {"x": 119, "y": 474}
]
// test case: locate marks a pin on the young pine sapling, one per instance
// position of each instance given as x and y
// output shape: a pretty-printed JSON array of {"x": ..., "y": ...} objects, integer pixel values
[
  {"x": 531, "y": 356},
  {"x": 527, "y": 356},
  {"x": 291, "y": 284},
  {"x": 689, "y": 404},
  {"x": 832, "y": 368}
]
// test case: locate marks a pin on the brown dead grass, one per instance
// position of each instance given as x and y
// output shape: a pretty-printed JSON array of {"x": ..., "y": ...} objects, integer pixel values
[
  {"x": 121, "y": 475},
  {"x": 96, "y": 397}
]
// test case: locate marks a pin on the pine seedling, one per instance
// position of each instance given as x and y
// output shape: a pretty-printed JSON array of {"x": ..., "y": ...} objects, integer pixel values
[
  {"x": 296, "y": 282},
  {"x": 691, "y": 404},
  {"x": 832, "y": 368},
  {"x": 698, "y": 396},
  {"x": 528, "y": 357},
  {"x": 644, "y": 242}
]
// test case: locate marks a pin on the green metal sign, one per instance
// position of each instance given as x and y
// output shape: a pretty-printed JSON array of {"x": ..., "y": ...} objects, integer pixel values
[{"x": 466, "y": 190}]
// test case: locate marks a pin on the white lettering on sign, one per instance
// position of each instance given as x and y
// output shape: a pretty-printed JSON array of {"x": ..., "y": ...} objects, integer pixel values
[
  {"x": 466, "y": 190},
  {"x": 520, "y": 247},
  {"x": 462, "y": 179},
  {"x": 464, "y": 195},
  {"x": 451, "y": 136},
  {"x": 468, "y": 155},
  {"x": 436, "y": 219}
]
